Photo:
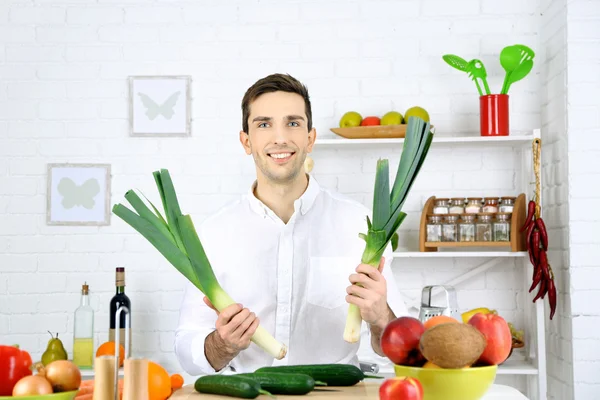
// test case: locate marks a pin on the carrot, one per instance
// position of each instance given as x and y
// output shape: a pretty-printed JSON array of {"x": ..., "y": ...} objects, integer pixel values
[{"x": 85, "y": 390}]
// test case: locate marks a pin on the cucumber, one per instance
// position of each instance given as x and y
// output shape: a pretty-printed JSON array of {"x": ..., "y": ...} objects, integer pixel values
[
  {"x": 331, "y": 374},
  {"x": 229, "y": 385},
  {"x": 282, "y": 383}
]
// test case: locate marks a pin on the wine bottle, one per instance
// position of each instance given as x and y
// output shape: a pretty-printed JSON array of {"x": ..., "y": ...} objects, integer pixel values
[
  {"x": 83, "y": 332},
  {"x": 118, "y": 300}
]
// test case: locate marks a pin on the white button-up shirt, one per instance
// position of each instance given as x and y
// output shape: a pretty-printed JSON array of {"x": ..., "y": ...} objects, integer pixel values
[{"x": 293, "y": 276}]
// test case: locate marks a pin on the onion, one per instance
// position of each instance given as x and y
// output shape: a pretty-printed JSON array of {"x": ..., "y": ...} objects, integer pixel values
[
  {"x": 63, "y": 375},
  {"x": 33, "y": 384}
]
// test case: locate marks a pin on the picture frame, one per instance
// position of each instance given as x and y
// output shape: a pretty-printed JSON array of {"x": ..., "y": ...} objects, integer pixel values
[
  {"x": 160, "y": 106},
  {"x": 78, "y": 194}
]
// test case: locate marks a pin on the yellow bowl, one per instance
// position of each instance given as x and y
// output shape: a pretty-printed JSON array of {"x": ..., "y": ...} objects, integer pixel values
[
  {"x": 451, "y": 384},
  {"x": 56, "y": 396}
]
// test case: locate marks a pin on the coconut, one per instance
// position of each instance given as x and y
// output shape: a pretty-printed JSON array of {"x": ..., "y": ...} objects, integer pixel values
[{"x": 452, "y": 345}]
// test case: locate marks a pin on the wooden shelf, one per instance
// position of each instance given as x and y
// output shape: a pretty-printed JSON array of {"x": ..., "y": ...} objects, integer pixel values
[
  {"x": 467, "y": 244},
  {"x": 437, "y": 139},
  {"x": 458, "y": 254}
]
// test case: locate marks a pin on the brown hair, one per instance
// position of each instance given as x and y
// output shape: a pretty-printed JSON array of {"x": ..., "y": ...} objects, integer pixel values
[{"x": 274, "y": 83}]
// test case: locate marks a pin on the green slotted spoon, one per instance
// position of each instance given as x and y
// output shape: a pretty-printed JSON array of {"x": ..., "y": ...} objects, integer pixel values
[
  {"x": 519, "y": 73},
  {"x": 511, "y": 58},
  {"x": 456, "y": 62}
]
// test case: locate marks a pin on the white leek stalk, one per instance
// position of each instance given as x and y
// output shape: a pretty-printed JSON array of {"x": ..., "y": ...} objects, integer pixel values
[
  {"x": 177, "y": 240},
  {"x": 387, "y": 214}
]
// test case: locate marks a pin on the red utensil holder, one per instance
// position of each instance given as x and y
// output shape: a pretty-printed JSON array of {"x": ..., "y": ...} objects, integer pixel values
[{"x": 493, "y": 115}]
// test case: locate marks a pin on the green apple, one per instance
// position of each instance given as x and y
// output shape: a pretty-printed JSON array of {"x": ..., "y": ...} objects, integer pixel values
[
  {"x": 391, "y": 118},
  {"x": 350, "y": 120},
  {"x": 416, "y": 112}
]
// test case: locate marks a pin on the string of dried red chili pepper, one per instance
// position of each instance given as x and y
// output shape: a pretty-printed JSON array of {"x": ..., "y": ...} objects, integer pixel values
[{"x": 536, "y": 240}]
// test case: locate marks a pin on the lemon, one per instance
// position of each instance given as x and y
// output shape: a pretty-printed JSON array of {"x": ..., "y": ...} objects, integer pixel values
[{"x": 416, "y": 112}]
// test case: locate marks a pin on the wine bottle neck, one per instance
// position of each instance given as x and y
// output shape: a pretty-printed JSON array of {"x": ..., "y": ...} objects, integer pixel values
[{"x": 120, "y": 289}]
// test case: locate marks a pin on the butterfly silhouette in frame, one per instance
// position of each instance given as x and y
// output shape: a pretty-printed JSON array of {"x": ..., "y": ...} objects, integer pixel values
[
  {"x": 78, "y": 195},
  {"x": 154, "y": 109}
]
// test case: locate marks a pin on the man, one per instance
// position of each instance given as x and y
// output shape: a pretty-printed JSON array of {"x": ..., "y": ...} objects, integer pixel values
[{"x": 288, "y": 251}]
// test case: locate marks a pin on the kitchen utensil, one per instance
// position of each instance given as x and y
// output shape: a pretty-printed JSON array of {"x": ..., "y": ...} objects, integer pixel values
[
  {"x": 494, "y": 115},
  {"x": 135, "y": 386},
  {"x": 104, "y": 377},
  {"x": 449, "y": 308},
  {"x": 526, "y": 52},
  {"x": 510, "y": 57},
  {"x": 519, "y": 73},
  {"x": 369, "y": 368},
  {"x": 452, "y": 384},
  {"x": 122, "y": 309},
  {"x": 476, "y": 70},
  {"x": 456, "y": 62}
]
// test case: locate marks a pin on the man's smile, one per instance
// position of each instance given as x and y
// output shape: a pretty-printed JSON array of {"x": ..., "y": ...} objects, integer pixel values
[{"x": 281, "y": 157}]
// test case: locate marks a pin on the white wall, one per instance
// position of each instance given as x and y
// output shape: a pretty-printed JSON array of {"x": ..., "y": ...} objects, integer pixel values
[
  {"x": 555, "y": 194},
  {"x": 63, "y": 98},
  {"x": 584, "y": 167},
  {"x": 571, "y": 122}
]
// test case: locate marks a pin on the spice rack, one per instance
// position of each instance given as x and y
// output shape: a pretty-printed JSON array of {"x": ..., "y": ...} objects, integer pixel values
[{"x": 517, "y": 239}]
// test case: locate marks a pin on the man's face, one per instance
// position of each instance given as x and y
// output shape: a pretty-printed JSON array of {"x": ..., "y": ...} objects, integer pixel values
[{"x": 278, "y": 136}]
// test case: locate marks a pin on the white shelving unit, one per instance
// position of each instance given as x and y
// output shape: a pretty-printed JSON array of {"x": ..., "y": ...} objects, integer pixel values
[
  {"x": 448, "y": 140},
  {"x": 455, "y": 254},
  {"x": 530, "y": 361}
]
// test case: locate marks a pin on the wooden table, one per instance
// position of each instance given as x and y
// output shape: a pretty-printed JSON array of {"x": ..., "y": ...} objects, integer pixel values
[{"x": 367, "y": 390}]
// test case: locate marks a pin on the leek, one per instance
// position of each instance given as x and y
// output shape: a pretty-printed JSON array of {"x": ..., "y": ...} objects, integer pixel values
[
  {"x": 387, "y": 206},
  {"x": 175, "y": 237}
]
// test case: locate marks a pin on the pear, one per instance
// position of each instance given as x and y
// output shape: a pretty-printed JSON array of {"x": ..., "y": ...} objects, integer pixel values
[{"x": 54, "y": 351}]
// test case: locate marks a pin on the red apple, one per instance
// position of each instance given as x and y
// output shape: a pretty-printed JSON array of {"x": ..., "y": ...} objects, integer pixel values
[
  {"x": 498, "y": 336},
  {"x": 370, "y": 121},
  {"x": 401, "y": 388},
  {"x": 400, "y": 341}
]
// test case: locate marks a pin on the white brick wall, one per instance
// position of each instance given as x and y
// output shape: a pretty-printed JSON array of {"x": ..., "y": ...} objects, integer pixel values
[
  {"x": 554, "y": 131},
  {"x": 584, "y": 74},
  {"x": 64, "y": 65}
]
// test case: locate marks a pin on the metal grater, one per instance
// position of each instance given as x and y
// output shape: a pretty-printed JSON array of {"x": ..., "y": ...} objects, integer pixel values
[{"x": 449, "y": 308}]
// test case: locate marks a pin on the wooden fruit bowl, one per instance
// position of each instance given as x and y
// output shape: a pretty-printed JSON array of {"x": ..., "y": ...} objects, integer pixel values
[{"x": 372, "y": 132}]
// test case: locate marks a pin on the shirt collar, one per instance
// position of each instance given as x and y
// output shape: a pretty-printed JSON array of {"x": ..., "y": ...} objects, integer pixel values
[{"x": 303, "y": 203}]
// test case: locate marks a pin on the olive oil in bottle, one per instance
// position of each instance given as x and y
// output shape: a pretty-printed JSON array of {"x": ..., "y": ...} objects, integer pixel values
[{"x": 83, "y": 332}]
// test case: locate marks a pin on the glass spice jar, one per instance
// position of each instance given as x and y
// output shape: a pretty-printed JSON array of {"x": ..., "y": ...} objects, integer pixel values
[
  {"x": 457, "y": 206},
  {"x": 466, "y": 228},
  {"x": 473, "y": 205},
  {"x": 490, "y": 205},
  {"x": 483, "y": 227},
  {"x": 501, "y": 227},
  {"x": 434, "y": 228},
  {"x": 507, "y": 204},
  {"x": 441, "y": 206},
  {"x": 450, "y": 228}
]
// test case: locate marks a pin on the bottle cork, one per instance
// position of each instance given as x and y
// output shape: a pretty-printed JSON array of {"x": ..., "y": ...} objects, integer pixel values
[
  {"x": 104, "y": 380},
  {"x": 136, "y": 379}
]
